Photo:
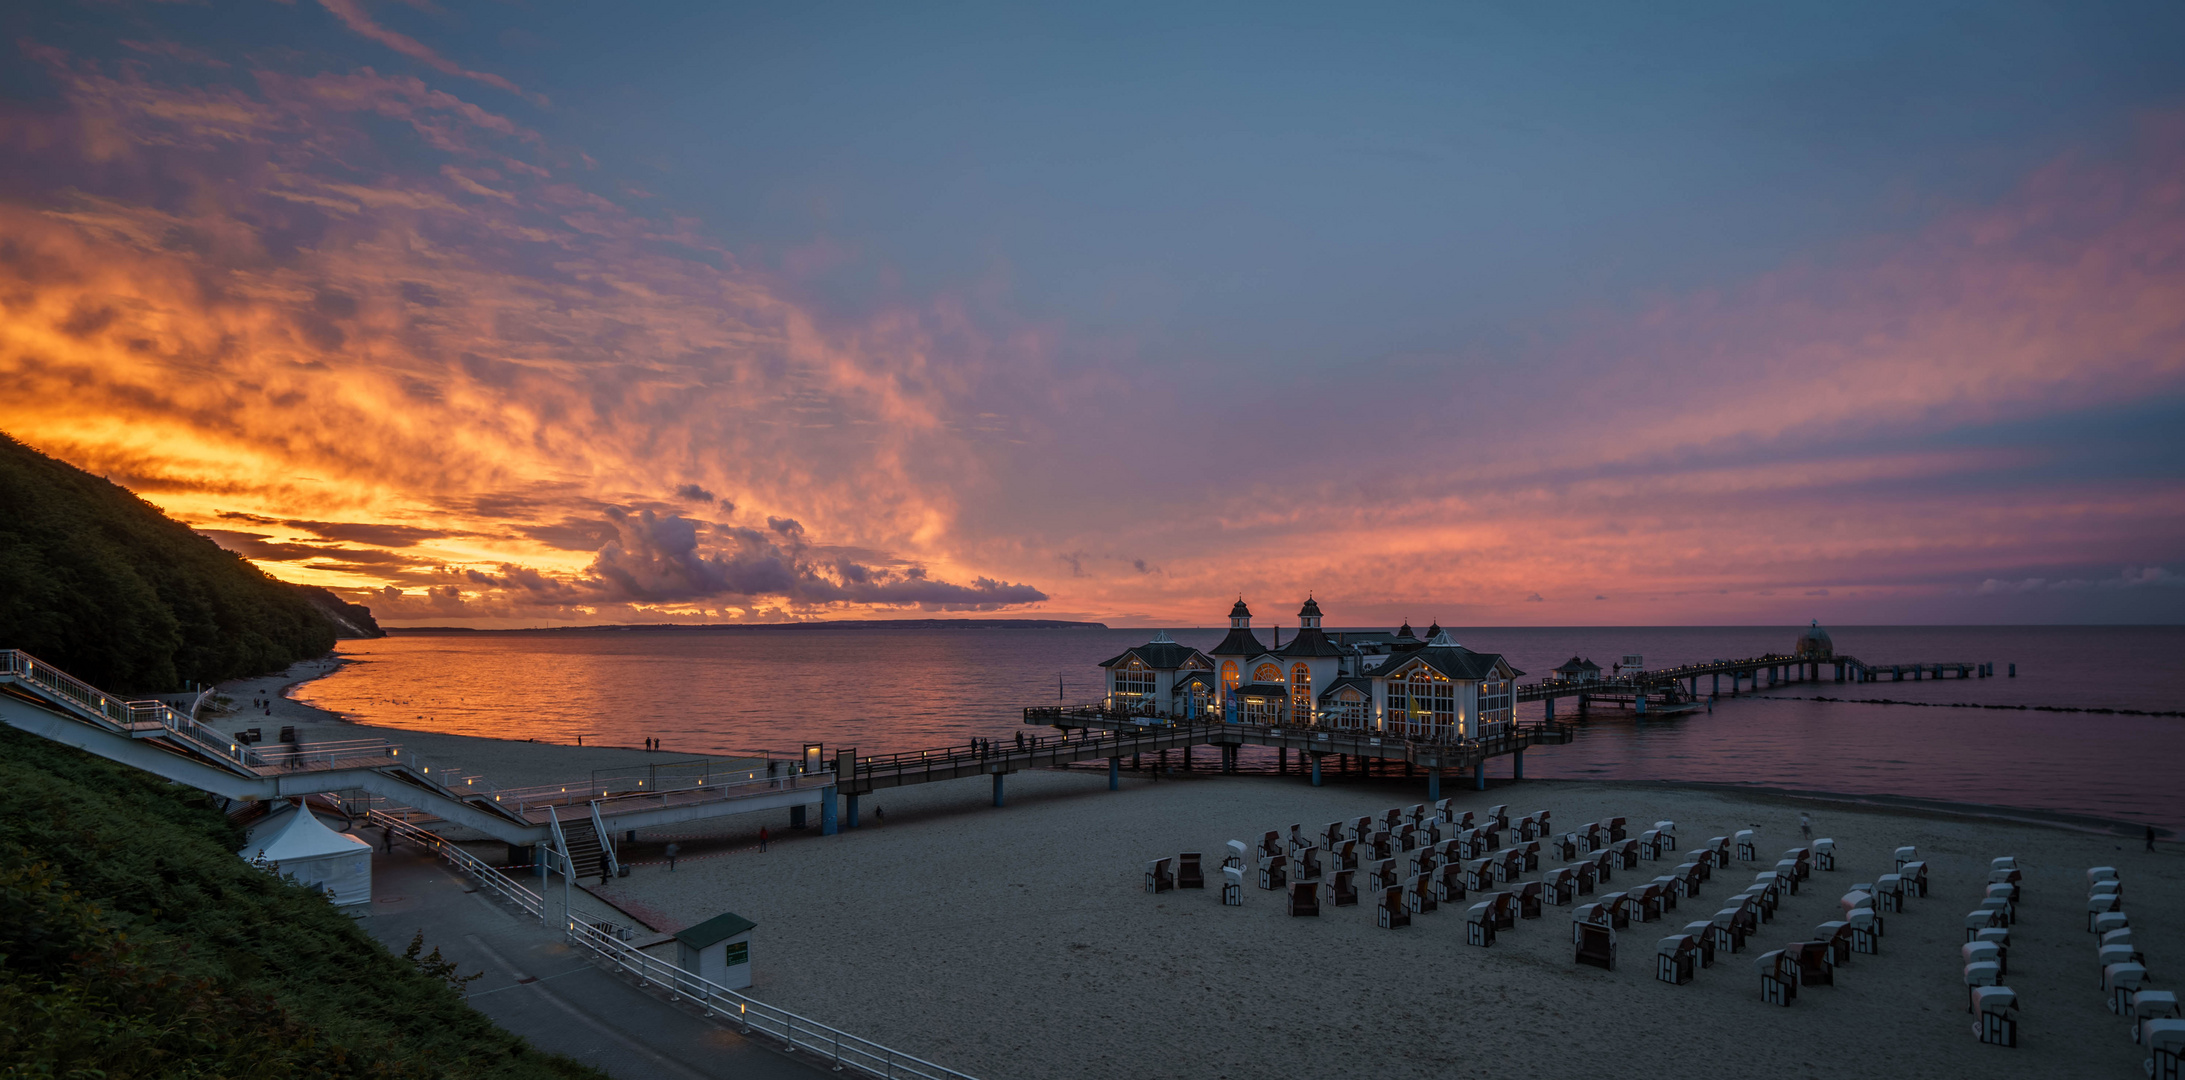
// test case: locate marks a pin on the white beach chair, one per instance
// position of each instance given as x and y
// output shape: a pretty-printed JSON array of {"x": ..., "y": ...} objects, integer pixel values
[
  {"x": 1914, "y": 875},
  {"x": 1836, "y": 933},
  {"x": 1675, "y": 957},
  {"x": 2107, "y": 888},
  {"x": 1274, "y": 872},
  {"x": 1442, "y": 810},
  {"x": 2110, "y": 920},
  {"x": 1976, "y": 921},
  {"x": 1731, "y": 929},
  {"x": 2100, "y": 873},
  {"x": 1866, "y": 931},
  {"x": 2117, "y": 937},
  {"x": 1479, "y": 924},
  {"x": 1787, "y": 869},
  {"x": 1979, "y": 974},
  {"x": 1236, "y": 854},
  {"x": 1983, "y": 952},
  {"x": 1305, "y": 863},
  {"x": 2121, "y": 982},
  {"x": 2002, "y": 909},
  {"x": 1996, "y": 936},
  {"x": 2003, "y": 862},
  {"x": 2108, "y": 955},
  {"x": 1889, "y": 893},
  {"x": 1297, "y": 840},
  {"x": 2003, "y": 893},
  {"x": 1746, "y": 851},
  {"x": 1905, "y": 855},
  {"x": 1996, "y": 1019},
  {"x": 1668, "y": 831},
  {"x": 1500, "y": 815},
  {"x": 1778, "y": 977},
  {"x": 1391, "y": 911},
  {"x": 1331, "y": 834},
  {"x": 1232, "y": 886},
  {"x": 2100, "y": 904},
  {"x": 1672, "y": 888},
  {"x": 1824, "y": 854},
  {"x": 2152, "y": 1005},
  {"x": 2165, "y": 1043}
]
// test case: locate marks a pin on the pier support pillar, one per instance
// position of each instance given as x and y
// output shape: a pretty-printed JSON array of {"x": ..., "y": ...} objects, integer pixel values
[
  {"x": 1517, "y": 765},
  {"x": 1639, "y": 703},
  {"x": 827, "y": 820},
  {"x": 850, "y": 814},
  {"x": 1479, "y": 775},
  {"x": 1433, "y": 783},
  {"x": 997, "y": 787},
  {"x": 1282, "y": 761},
  {"x": 1582, "y": 703},
  {"x": 1187, "y": 758},
  {"x": 1550, "y": 703},
  {"x": 2014, "y": 671},
  {"x": 1316, "y": 770},
  {"x": 1718, "y": 684},
  {"x": 1115, "y": 774}
]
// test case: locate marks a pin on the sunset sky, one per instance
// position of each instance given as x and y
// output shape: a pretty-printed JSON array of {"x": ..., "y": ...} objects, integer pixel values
[{"x": 531, "y": 313}]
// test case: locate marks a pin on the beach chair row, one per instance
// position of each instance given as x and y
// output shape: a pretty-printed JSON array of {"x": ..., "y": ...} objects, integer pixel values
[
  {"x": 1859, "y": 931},
  {"x": 2153, "y": 1014},
  {"x": 1986, "y": 954}
]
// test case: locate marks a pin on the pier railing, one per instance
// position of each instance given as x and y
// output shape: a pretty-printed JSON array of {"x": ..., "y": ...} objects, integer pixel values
[{"x": 136, "y": 718}]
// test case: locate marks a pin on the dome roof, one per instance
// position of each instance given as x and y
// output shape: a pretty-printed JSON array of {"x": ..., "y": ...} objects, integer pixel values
[
  {"x": 1240, "y": 611},
  {"x": 1311, "y": 610},
  {"x": 1434, "y": 631},
  {"x": 1815, "y": 633},
  {"x": 1815, "y": 642},
  {"x": 1405, "y": 630}
]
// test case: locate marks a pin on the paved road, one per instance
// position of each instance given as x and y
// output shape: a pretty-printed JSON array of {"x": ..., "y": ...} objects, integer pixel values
[{"x": 539, "y": 987}]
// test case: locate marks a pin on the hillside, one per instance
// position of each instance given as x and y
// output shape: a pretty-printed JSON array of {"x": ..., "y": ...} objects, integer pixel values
[
  {"x": 100, "y": 583},
  {"x": 138, "y": 945}
]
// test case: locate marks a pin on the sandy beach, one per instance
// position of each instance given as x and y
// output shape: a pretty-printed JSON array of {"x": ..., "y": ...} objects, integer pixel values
[{"x": 1018, "y": 942}]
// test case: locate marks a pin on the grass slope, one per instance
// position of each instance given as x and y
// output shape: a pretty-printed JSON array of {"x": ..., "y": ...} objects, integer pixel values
[
  {"x": 103, "y": 585},
  {"x": 134, "y": 943}
]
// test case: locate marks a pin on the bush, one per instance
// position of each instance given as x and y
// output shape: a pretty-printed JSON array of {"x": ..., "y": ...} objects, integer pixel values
[{"x": 136, "y": 944}]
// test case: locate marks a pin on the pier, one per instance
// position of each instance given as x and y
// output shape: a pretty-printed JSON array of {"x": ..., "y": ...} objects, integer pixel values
[{"x": 1669, "y": 691}]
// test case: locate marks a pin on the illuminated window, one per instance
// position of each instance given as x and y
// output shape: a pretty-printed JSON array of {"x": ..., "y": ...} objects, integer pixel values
[
  {"x": 1229, "y": 674},
  {"x": 1351, "y": 710},
  {"x": 1267, "y": 673},
  {"x": 1134, "y": 680},
  {"x": 1301, "y": 690}
]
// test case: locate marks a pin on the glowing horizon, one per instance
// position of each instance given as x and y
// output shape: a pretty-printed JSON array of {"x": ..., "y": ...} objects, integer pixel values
[{"x": 361, "y": 299}]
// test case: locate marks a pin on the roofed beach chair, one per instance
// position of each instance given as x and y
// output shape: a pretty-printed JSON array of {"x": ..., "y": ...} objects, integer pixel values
[
  {"x": 1479, "y": 924},
  {"x": 1360, "y": 828},
  {"x": 1503, "y": 905},
  {"x": 1672, "y": 887},
  {"x": 1416, "y": 815},
  {"x": 2122, "y": 983},
  {"x": 1526, "y": 828},
  {"x": 1837, "y": 933},
  {"x": 2002, "y": 909},
  {"x": 1710, "y": 938},
  {"x": 1604, "y": 865},
  {"x": 1778, "y": 977},
  {"x": 1622, "y": 907},
  {"x": 1560, "y": 886},
  {"x": 2011, "y": 878},
  {"x": 1463, "y": 820},
  {"x": 1530, "y": 849},
  {"x": 2104, "y": 888},
  {"x": 1824, "y": 854},
  {"x": 1627, "y": 854},
  {"x": 2003, "y": 862},
  {"x": 1914, "y": 876},
  {"x": 2152, "y": 1005},
  {"x": 1390, "y": 911},
  {"x": 1787, "y": 871},
  {"x": 1469, "y": 844},
  {"x": 1759, "y": 897},
  {"x": 1343, "y": 856},
  {"x": 1616, "y": 833},
  {"x": 1735, "y": 927},
  {"x": 1160, "y": 875},
  {"x": 1392, "y": 818},
  {"x": 2007, "y": 893},
  {"x": 1976, "y": 921},
  {"x": 2165, "y": 1043},
  {"x": 1500, "y": 815},
  {"x": 1675, "y": 957},
  {"x": 1490, "y": 836},
  {"x": 1587, "y": 876},
  {"x": 1380, "y": 845},
  {"x": 1339, "y": 889},
  {"x": 1409, "y": 838},
  {"x": 1649, "y": 900},
  {"x": 2116, "y": 947},
  {"x": 1232, "y": 886},
  {"x": 1594, "y": 944},
  {"x": 1422, "y": 861},
  {"x": 1888, "y": 893},
  {"x": 1978, "y": 974},
  {"x": 1565, "y": 846},
  {"x": 1442, "y": 810},
  {"x": 1816, "y": 963},
  {"x": 1449, "y": 883},
  {"x": 1591, "y": 836},
  {"x": 2101, "y": 873},
  {"x": 1692, "y": 874},
  {"x": 2110, "y": 920},
  {"x": 1906, "y": 854},
  {"x": 2001, "y": 939},
  {"x": 1996, "y": 1015},
  {"x": 1188, "y": 874},
  {"x": 1270, "y": 844},
  {"x": 1382, "y": 874},
  {"x": 1331, "y": 834},
  {"x": 1719, "y": 848},
  {"x": 1419, "y": 893},
  {"x": 1668, "y": 831},
  {"x": 1297, "y": 840},
  {"x": 1274, "y": 872},
  {"x": 1866, "y": 931},
  {"x": 1983, "y": 952},
  {"x": 1305, "y": 864},
  {"x": 1650, "y": 845},
  {"x": 1479, "y": 874},
  {"x": 1529, "y": 899},
  {"x": 1304, "y": 899},
  {"x": 1236, "y": 854},
  {"x": 1746, "y": 850},
  {"x": 1509, "y": 865}
]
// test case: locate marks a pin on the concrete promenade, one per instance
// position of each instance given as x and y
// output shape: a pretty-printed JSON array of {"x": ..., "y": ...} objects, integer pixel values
[{"x": 541, "y": 988}]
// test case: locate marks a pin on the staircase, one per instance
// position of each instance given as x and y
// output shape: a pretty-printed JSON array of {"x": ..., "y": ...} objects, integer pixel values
[{"x": 584, "y": 851}]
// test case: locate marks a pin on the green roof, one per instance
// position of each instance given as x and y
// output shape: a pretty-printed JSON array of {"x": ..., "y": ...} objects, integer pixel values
[{"x": 715, "y": 930}]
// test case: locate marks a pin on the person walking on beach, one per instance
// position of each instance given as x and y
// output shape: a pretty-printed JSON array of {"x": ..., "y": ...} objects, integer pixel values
[
  {"x": 673, "y": 850},
  {"x": 387, "y": 839},
  {"x": 880, "y": 815},
  {"x": 762, "y": 838},
  {"x": 1805, "y": 826}
]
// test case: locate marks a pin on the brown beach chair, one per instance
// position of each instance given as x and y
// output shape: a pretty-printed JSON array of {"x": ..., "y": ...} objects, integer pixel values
[
  {"x": 1331, "y": 834},
  {"x": 1479, "y": 925},
  {"x": 1416, "y": 815},
  {"x": 1361, "y": 828},
  {"x": 1914, "y": 876},
  {"x": 1837, "y": 934},
  {"x": 1390, "y": 911},
  {"x": 1703, "y": 932},
  {"x": 1274, "y": 872},
  {"x": 1305, "y": 863},
  {"x": 1188, "y": 875},
  {"x": 1604, "y": 865},
  {"x": 1565, "y": 846},
  {"x": 1449, "y": 883},
  {"x": 1159, "y": 877},
  {"x": 1619, "y": 907},
  {"x": 1779, "y": 977},
  {"x": 1270, "y": 844},
  {"x": 1503, "y": 906},
  {"x": 1338, "y": 889},
  {"x": 1815, "y": 966},
  {"x": 1627, "y": 854},
  {"x": 1732, "y": 929},
  {"x": 1529, "y": 899},
  {"x": 1500, "y": 813},
  {"x": 1615, "y": 830},
  {"x": 1479, "y": 874},
  {"x": 1509, "y": 865},
  {"x": 1648, "y": 898},
  {"x": 1382, "y": 874},
  {"x": 1530, "y": 849},
  {"x": 1560, "y": 886},
  {"x": 1344, "y": 856},
  {"x": 1392, "y": 819},
  {"x": 1587, "y": 875},
  {"x": 1670, "y": 885},
  {"x": 1304, "y": 899},
  {"x": 1419, "y": 894},
  {"x": 1718, "y": 849},
  {"x": 1692, "y": 874},
  {"x": 1596, "y": 945},
  {"x": 1408, "y": 837},
  {"x": 1380, "y": 845}
]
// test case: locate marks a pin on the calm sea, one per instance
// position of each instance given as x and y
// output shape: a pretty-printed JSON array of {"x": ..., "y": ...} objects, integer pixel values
[{"x": 891, "y": 690}]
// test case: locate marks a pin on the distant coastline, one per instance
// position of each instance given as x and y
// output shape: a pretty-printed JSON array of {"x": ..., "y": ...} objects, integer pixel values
[{"x": 742, "y": 628}]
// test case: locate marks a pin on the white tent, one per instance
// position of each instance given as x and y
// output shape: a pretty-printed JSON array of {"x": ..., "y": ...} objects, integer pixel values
[{"x": 300, "y": 846}]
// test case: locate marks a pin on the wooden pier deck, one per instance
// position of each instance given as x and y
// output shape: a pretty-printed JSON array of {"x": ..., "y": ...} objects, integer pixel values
[{"x": 1679, "y": 687}]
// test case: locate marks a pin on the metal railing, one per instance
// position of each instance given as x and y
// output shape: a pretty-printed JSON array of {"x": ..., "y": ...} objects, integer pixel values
[
  {"x": 62, "y": 688},
  {"x": 482, "y": 872},
  {"x": 798, "y": 1032}
]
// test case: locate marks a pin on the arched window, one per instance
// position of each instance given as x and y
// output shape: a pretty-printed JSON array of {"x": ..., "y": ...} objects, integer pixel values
[
  {"x": 1301, "y": 690},
  {"x": 1134, "y": 681},
  {"x": 1267, "y": 673},
  {"x": 1229, "y": 675}
]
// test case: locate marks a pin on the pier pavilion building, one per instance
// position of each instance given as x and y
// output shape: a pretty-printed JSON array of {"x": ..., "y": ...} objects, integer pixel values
[{"x": 1398, "y": 684}]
